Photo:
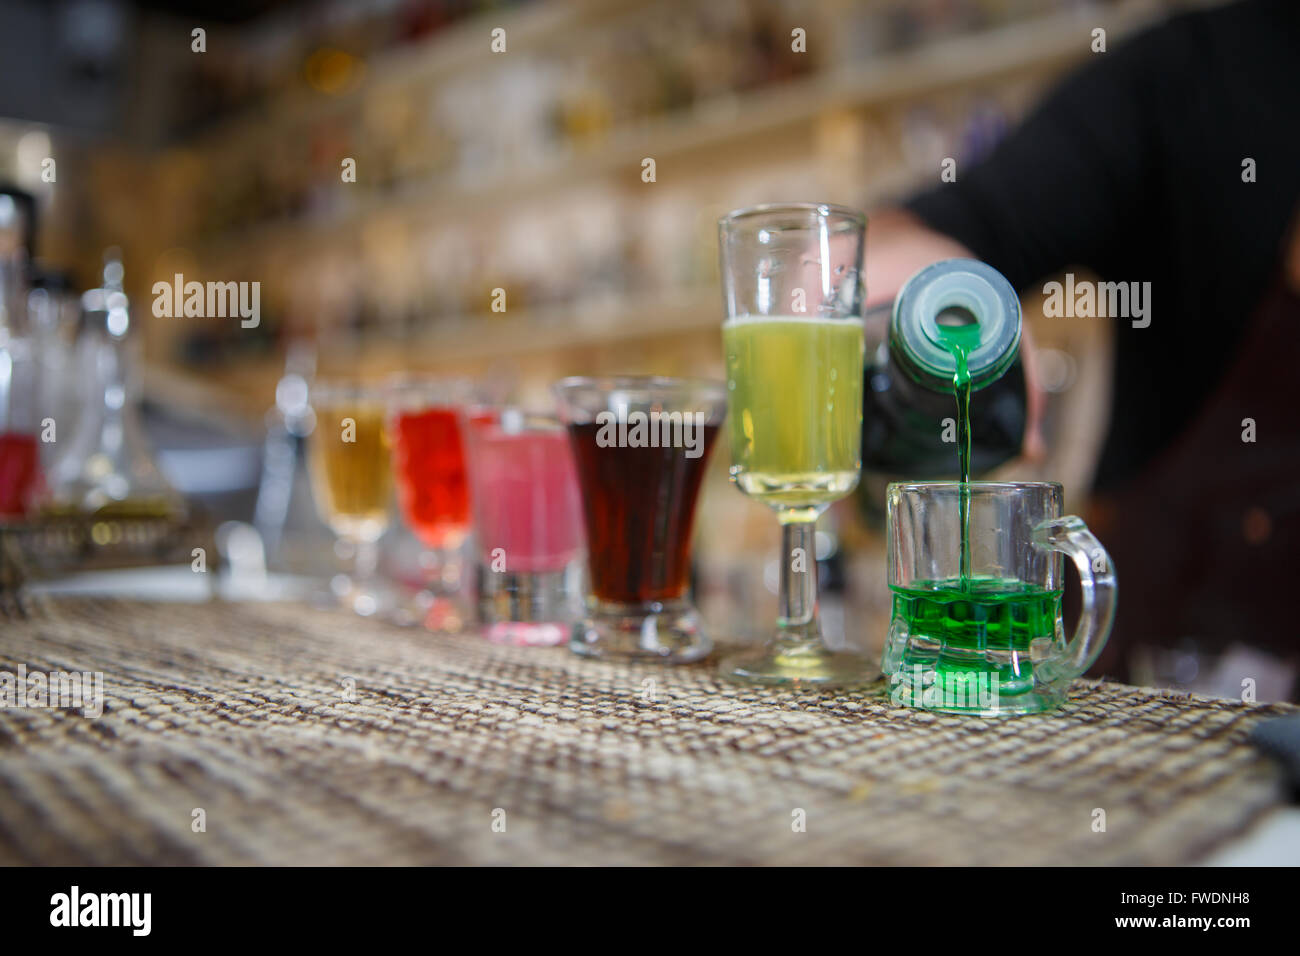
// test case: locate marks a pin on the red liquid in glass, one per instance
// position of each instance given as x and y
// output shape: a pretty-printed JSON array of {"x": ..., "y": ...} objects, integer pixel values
[
  {"x": 640, "y": 509},
  {"x": 429, "y": 471},
  {"x": 19, "y": 472}
]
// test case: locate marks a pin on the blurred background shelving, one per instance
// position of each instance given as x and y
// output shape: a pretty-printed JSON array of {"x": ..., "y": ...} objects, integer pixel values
[{"x": 521, "y": 171}]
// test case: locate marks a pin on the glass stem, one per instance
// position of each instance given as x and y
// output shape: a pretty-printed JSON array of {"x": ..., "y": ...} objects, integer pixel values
[
  {"x": 797, "y": 611},
  {"x": 449, "y": 571},
  {"x": 435, "y": 571},
  {"x": 366, "y": 561}
]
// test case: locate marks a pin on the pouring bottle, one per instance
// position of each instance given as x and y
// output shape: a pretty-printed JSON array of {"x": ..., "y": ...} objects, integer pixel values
[{"x": 909, "y": 411}]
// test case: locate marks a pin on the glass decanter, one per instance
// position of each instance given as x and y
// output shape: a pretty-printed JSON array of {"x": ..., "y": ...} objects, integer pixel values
[{"x": 108, "y": 467}]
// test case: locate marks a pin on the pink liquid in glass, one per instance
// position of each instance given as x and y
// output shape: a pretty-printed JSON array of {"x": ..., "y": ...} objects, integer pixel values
[{"x": 525, "y": 493}]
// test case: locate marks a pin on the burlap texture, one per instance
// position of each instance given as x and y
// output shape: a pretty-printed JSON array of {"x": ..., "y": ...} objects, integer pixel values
[{"x": 453, "y": 750}]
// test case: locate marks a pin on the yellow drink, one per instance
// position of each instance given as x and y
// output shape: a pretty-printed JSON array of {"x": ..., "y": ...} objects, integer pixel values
[
  {"x": 795, "y": 391},
  {"x": 350, "y": 474}
]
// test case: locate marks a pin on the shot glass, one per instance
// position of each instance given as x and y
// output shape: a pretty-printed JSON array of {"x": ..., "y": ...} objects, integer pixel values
[
  {"x": 641, "y": 445},
  {"x": 528, "y": 525},
  {"x": 425, "y": 416}
]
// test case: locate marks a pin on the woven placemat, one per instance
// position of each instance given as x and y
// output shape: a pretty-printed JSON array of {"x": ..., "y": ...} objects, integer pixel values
[{"x": 453, "y": 750}]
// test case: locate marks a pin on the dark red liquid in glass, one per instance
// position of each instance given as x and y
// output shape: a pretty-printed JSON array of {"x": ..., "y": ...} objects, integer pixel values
[
  {"x": 429, "y": 471},
  {"x": 19, "y": 472},
  {"x": 640, "y": 509}
]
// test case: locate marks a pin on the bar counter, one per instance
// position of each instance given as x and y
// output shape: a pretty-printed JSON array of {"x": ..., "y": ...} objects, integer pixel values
[{"x": 244, "y": 733}]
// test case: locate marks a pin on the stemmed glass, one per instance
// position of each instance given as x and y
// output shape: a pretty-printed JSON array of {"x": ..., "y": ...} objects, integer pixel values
[
  {"x": 792, "y": 285},
  {"x": 428, "y": 448},
  {"x": 351, "y": 483}
]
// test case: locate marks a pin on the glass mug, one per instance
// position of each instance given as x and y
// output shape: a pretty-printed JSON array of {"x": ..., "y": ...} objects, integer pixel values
[{"x": 989, "y": 638}]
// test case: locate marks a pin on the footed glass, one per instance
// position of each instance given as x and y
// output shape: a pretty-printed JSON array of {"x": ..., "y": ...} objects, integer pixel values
[
  {"x": 793, "y": 343},
  {"x": 641, "y": 445},
  {"x": 351, "y": 477},
  {"x": 429, "y": 473}
]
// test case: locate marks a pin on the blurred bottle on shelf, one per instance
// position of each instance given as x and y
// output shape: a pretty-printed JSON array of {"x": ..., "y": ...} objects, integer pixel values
[
  {"x": 294, "y": 538},
  {"x": 20, "y": 416},
  {"x": 54, "y": 312},
  {"x": 17, "y": 223},
  {"x": 108, "y": 467}
]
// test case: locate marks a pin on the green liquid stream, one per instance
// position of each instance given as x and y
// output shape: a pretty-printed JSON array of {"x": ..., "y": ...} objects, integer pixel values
[{"x": 960, "y": 340}]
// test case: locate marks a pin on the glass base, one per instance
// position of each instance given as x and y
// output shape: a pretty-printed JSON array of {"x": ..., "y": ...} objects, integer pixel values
[
  {"x": 668, "y": 631},
  {"x": 786, "y": 664},
  {"x": 527, "y": 633},
  {"x": 968, "y": 691},
  {"x": 372, "y": 597},
  {"x": 531, "y": 609},
  {"x": 434, "y": 600},
  {"x": 443, "y": 613}
]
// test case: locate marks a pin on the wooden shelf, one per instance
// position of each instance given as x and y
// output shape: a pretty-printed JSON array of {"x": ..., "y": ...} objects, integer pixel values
[
  {"x": 247, "y": 388},
  {"x": 1039, "y": 44},
  {"x": 462, "y": 46},
  {"x": 1030, "y": 47},
  {"x": 595, "y": 322}
]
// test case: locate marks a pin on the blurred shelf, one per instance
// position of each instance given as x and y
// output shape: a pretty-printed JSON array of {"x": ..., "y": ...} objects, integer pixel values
[
  {"x": 239, "y": 392},
  {"x": 460, "y": 46},
  {"x": 1038, "y": 44},
  {"x": 596, "y": 322},
  {"x": 246, "y": 387}
]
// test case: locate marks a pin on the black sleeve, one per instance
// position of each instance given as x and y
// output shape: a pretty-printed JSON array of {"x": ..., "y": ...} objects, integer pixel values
[{"x": 1057, "y": 191}]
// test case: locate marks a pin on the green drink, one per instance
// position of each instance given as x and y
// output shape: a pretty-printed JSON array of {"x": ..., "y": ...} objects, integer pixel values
[
  {"x": 969, "y": 637},
  {"x": 974, "y": 636},
  {"x": 959, "y": 339},
  {"x": 795, "y": 385},
  {"x": 975, "y": 567},
  {"x": 991, "y": 641}
]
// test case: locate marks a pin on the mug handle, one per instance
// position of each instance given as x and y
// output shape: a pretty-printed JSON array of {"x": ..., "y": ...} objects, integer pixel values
[{"x": 1070, "y": 536}]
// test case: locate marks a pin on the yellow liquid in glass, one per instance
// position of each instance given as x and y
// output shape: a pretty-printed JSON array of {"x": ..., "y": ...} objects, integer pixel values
[
  {"x": 795, "y": 390},
  {"x": 351, "y": 480}
]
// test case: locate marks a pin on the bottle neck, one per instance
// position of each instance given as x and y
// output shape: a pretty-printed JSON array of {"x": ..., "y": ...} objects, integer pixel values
[
  {"x": 955, "y": 321},
  {"x": 13, "y": 296},
  {"x": 112, "y": 374}
]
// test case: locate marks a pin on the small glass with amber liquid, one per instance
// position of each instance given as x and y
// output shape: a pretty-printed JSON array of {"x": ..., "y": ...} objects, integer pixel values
[{"x": 351, "y": 479}]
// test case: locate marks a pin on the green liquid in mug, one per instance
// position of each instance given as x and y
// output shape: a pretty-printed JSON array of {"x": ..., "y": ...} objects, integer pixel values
[
  {"x": 982, "y": 626},
  {"x": 969, "y": 639}
]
